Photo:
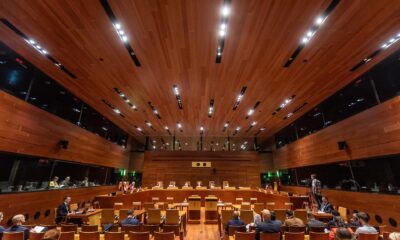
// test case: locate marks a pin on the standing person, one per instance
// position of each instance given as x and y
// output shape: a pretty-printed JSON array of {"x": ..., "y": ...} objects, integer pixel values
[
  {"x": 17, "y": 222},
  {"x": 316, "y": 189},
  {"x": 1, "y": 228},
  {"x": 63, "y": 210}
]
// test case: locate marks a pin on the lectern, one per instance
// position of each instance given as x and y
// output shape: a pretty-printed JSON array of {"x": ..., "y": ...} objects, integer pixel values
[
  {"x": 211, "y": 209},
  {"x": 194, "y": 208}
]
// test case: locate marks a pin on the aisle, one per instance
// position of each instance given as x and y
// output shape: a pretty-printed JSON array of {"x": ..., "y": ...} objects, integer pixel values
[{"x": 202, "y": 231}]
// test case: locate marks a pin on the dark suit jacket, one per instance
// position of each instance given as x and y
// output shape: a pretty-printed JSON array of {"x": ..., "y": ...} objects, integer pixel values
[
  {"x": 234, "y": 222},
  {"x": 1, "y": 232},
  {"x": 326, "y": 207},
  {"x": 269, "y": 226},
  {"x": 19, "y": 229},
  {"x": 130, "y": 221},
  {"x": 62, "y": 212}
]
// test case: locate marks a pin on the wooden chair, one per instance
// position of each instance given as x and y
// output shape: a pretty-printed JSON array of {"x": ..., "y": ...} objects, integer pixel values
[
  {"x": 172, "y": 217},
  {"x": 35, "y": 235},
  {"x": 69, "y": 228},
  {"x": 302, "y": 214},
  {"x": 258, "y": 207},
  {"x": 294, "y": 236},
  {"x": 118, "y": 205},
  {"x": 66, "y": 236},
  {"x": 297, "y": 229},
  {"x": 239, "y": 200},
  {"x": 280, "y": 214},
  {"x": 343, "y": 213},
  {"x": 131, "y": 228},
  {"x": 137, "y": 205},
  {"x": 164, "y": 236},
  {"x": 154, "y": 216},
  {"x": 386, "y": 235},
  {"x": 151, "y": 228},
  {"x": 319, "y": 236},
  {"x": 139, "y": 235},
  {"x": 50, "y": 226},
  {"x": 253, "y": 200},
  {"x": 171, "y": 228},
  {"x": 233, "y": 229},
  {"x": 247, "y": 216},
  {"x": 89, "y": 228},
  {"x": 271, "y": 206},
  {"x": 13, "y": 235},
  {"x": 155, "y": 199},
  {"x": 148, "y": 205},
  {"x": 114, "y": 236},
  {"x": 245, "y": 206},
  {"x": 89, "y": 236},
  {"x": 245, "y": 235},
  {"x": 368, "y": 236},
  {"x": 123, "y": 213},
  {"x": 170, "y": 200},
  {"x": 270, "y": 236},
  {"x": 289, "y": 205},
  {"x": 226, "y": 215},
  {"x": 317, "y": 229},
  {"x": 107, "y": 215}
]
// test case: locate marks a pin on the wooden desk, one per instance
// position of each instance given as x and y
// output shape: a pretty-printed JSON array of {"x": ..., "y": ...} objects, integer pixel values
[
  {"x": 91, "y": 218},
  {"x": 324, "y": 217},
  {"x": 194, "y": 209},
  {"x": 211, "y": 209}
]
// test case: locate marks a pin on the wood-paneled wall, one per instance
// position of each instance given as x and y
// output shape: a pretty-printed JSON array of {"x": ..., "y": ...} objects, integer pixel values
[
  {"x": 239, "y": 168},
  {"x": 32, "y": 203},
  {"x": 384, "y": 205},
  {"x": 373, "y": 132},
  {"x": 27, "y": 129}
]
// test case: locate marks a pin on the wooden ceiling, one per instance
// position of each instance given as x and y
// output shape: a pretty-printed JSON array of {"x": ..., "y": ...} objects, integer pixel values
[{"x": 176, "y": 41}]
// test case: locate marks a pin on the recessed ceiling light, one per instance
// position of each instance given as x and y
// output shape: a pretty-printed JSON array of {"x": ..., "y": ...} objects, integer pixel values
[
  {"x": 239, "y": 98},
  {"x": 253, "y": 123},
  {"x": 225, "y": 11},
  {"x": 178, "y": 96},
  {"x": 238, "y": 129}
]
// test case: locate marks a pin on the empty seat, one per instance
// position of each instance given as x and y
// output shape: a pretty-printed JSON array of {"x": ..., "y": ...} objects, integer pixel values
[
  {"x": 302, "y": 214},
  {"x": 67, "y": 236},
  {"x": 148, "y": 205},
  {"x": 170, "y": 200},
  {"x": 245, "y": 206},
  {"x": 239, "y": 200},
  {"x": 171, "y": 228},
  {"x": 137, "y": 205},
  {"x": 107, "y": 215},
  {"x": 35, "y": 235},
  {"x": 343, "y": 213},
  {"x": 245, "y": 235},
  {"x": 130, "y": 228},
  {"x": 258, "y": 207},
  {"x": 319, "y": 236},
  {"x": 89, "y": 228},
  {"x": 172, "y": 217},
  {"x": 247, "y": 216},
  {"x": 280, "y": 214},
  {"x": 368, "y": 236},
  {"x": 164, "y": 236},
  {"x": 89, "y": 236},
  {"x": 271, "y": 205},
  {"x": 253, "y": 200},
  {"x": 114, "y": 236},
  {"x": 118, "y": 205},
  {"x": 139, "y": 235},
  {"x": 69, "y": 228},
  {"x": 270, "y": 236},
  {"x": 150, "y": 228},
  {"x": 13, "y": 235},
  {"x": 297, "y": 229},
  {"x": 155, "y": 199},
  {"x": 226, "y": 215},
  {"x": 294, "y": 236},
  {"x": 154, "y": 216}
]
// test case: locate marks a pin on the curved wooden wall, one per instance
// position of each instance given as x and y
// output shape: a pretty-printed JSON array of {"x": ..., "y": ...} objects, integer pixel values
[
  {"x": 31, "y": 203},
  {"x": 374, "y": 132},
  {"x": 27, "y": 129}
]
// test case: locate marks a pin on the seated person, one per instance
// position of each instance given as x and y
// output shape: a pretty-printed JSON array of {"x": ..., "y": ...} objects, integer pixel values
[
  {"x": 343, "y": 234},
  {"x": 365, "y": 227},
  {"x": 292, "y": 221},
  {"x": 130, "y": 219},
  {"x": 54, "y": 183},
  {"x": 268, "y": 225},
  {"x": 66, "y": 182},
  {"x": 16, "y": 226},
  {"x": 256, "y": 220},
  {"x": 326, "y": 206},
  {"x": 354, "y": 221},
  {"x": 1, "y": 228},
  {"x": 63, "y": 210},
  {"x": 52, "y": 234},
  {"x": 235, "y": 221},
  {"x": 336, "y": 223},
  {"x": 394, "y": 236},
  {"x": 312, "y": 222}
]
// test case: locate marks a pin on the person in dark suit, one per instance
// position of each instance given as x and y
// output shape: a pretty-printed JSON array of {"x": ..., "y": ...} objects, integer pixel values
[
  {"x": 1, "y": 228},
  {"x": 17, "y": 221},
  {"x": 63, "y": 210},
  {"x": 326, "y": 206},
  {"x": 130, "y": 219},
  {"x": 235, "y": 221},
  {"x": 268, "y": 225}
]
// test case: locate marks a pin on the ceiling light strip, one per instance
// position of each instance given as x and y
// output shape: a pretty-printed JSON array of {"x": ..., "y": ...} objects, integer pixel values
[
  {"x": 252, "y": 110},
  {"x": 312, "y": 31},
  {"x": 149, "y": 125},
  {"x": 177, "y": 95},
  {"x": 286, "y": 102},
  {"x": 126, "y": 99},
  {"x": 37, "y": 47},
  {"x": 211, "y": 108},
  {"x": 139, "y": 129},
  {"x": 116, "y": 110},
  {"x": 154, "y": 110},
  {"x": 239, "y": 98},
  {"x": 223, "y": 25},
  {"x": 226, "y": 125},
  {"x": 294, "y": 111},
  {"x": 384, "y": 46},
  {"x": 119, "y": 29}
]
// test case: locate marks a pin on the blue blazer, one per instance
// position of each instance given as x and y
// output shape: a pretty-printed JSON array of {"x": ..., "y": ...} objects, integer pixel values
[{"x": 19, "y": 229}]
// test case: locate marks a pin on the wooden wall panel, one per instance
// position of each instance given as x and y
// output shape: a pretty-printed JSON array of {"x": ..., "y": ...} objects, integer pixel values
[
  {"x": 27, "y": 129},
  {"x": 33, "y": 202},
  {"x": 384, "y": 205},
  {"x": 239, "y": 168},
  {"x": 374, "y": 132}
]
